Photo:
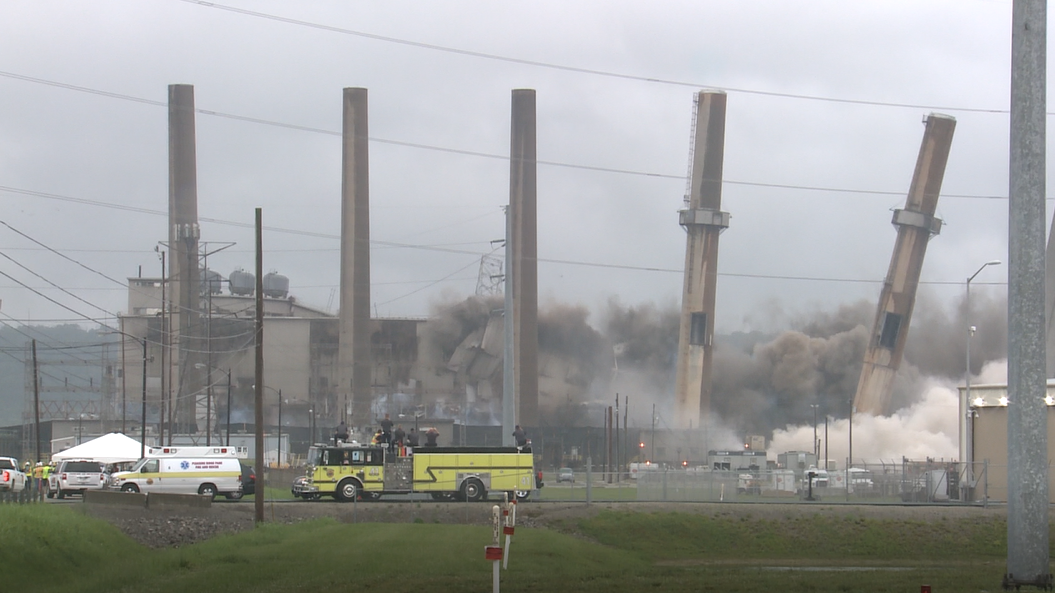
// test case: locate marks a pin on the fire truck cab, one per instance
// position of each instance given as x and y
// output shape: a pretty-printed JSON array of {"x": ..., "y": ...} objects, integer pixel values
[{"x": 348, "y": 472}]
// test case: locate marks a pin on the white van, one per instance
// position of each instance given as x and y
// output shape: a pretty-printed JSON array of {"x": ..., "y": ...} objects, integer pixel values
[{"x": 184, "y": 470}]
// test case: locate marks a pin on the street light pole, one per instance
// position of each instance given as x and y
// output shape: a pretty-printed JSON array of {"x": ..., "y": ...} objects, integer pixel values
[{"x": 967, "y": 381}]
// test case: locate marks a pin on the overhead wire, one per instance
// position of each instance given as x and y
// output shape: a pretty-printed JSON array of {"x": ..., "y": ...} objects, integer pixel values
[
  {"x": 45, "y": 341},
  {"x": 580, "y": 70},
  {"x": 337, "y": 133}
]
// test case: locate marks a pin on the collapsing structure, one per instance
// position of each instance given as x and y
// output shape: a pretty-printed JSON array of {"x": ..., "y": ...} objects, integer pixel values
[
  {"x": 703, "y": 221},
  {"x": 916, "y": 224}
]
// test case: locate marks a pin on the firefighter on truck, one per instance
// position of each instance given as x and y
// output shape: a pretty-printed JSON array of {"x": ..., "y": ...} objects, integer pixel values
[{"x": 348, "y": 472}]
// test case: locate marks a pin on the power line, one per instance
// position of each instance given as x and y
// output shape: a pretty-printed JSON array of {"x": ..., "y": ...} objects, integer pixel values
[
  {"x": 579, "y": 70},
  {"x": 615, "y": 170},
  {"x": 56, "y": 286}
]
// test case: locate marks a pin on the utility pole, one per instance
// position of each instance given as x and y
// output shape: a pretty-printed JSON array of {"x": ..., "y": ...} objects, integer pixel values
[
  {"x": 816, "y": 453},
  {"x": 258, "y": 399},
  {"x": 36, "y": 399},
  {"x": 508, "y": 354},
  {"x": 826, "y": 442},
  {"x": 653, "y": 456},
  {"x": 278, "y": 460},
  {"x": 618, "y": 463},
  {"x": 609, "y": 435},
  {"x": 143, "y": 427},
  {"x": 164, "y": 332},
  {"x": 626, "y": 433},
  {"x": 124, "y": 387},
  {"x": 1027, "y": 415},
  {"x": 228, "y": 407}
]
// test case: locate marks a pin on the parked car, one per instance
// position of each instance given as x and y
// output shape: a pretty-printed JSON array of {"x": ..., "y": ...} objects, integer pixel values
[
  {"x": 11, "y": 478},
  {"x": 74, "y": 477},
  {"x": 565, "y": 474},
  {"x": 248, "y": 482}
]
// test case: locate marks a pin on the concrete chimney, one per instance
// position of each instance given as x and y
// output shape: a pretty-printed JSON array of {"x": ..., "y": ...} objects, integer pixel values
[
  {"x": 916, "y": 224},
  {"x": 524, "y": 267},
  {"x": 183, "y": 249},
  {"x": 354, "y": 392},
  {"x": 703, "y": 221}
]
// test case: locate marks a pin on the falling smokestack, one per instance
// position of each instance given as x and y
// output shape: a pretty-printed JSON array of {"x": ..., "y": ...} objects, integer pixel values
[
  {"x": 524, "y": 267},
  {"x": 703, "y": 221},
  {"x": 916, "y": 225},
  {"x": 354, "y": 349},
  {"x": 183, "y": 246}
]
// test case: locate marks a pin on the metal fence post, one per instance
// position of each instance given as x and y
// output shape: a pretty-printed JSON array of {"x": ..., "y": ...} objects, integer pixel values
[{"x": 985, "y": 472}]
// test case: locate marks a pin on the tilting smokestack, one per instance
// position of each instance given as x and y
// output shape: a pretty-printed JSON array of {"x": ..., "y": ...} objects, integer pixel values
[
  {"x": 916, "y": 225},
  {"x": 703, "y": 221},
  {"x": 354, "y": 346}
]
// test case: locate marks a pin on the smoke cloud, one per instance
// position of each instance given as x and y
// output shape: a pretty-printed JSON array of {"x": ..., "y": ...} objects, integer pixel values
[{"x": 764, "y": 383}]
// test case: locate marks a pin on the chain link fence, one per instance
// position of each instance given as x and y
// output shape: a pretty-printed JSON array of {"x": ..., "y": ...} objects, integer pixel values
[{"x": 895, "y": 482}]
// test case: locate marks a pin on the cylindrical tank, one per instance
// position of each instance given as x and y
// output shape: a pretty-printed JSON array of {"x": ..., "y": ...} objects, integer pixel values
[
  {"x": 276, "y": 285},
  {"x": 242, "y": 283},
  {"x": 211, "y": 281}
]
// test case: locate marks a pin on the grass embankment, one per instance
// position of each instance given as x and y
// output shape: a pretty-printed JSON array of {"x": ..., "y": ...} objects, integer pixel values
[{"x": 613, "y": 551}]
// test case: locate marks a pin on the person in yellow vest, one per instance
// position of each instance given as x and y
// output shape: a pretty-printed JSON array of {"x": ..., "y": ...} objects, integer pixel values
[
  {"x": 45, "y": 485},
  {"x": 38, "y": 474}
]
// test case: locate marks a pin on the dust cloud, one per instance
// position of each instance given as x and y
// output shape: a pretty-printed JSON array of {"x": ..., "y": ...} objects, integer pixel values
[{"x": 766, "y": 383}]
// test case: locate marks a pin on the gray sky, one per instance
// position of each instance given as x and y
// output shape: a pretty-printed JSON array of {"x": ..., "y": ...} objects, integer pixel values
[{"x": 884, "y": 64}]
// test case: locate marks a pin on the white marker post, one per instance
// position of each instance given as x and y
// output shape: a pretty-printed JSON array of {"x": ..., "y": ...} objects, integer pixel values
[
  {"x": 510, "y": 513},
  {"x": 494, "y": 551}
]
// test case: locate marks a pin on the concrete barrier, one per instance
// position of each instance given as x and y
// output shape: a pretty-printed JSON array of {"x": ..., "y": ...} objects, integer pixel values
[
  {"x": 114, "y": 498},
  {"x": 158, "y": 500}
]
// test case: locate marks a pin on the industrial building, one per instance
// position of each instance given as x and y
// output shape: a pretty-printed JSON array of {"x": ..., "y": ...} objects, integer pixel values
[{"x": 983, "y": 440}]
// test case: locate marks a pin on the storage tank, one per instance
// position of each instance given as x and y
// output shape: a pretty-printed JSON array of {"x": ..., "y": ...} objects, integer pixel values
[
  {"x": 276, "y": 285},
  {"x": 211, "y": 282},
  {"x": 242, "y": 283}
]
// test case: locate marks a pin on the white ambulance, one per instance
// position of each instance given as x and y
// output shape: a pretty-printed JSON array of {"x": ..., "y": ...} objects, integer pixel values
[{"x": 184, "y": 470}]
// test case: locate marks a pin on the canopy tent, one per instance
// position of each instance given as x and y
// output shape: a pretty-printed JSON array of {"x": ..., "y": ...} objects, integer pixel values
[{"x": 109, "y": 448}]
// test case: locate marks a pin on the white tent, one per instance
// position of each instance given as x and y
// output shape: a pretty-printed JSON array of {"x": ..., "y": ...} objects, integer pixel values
[{"x": 109, "y": 448}]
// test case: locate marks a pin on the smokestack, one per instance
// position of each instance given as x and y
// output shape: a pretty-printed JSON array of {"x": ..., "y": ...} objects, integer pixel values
[
  {"x": 354, "y": 391},
  {"x": 524, "y": 267},
  {"x": 183, "y": 246},
  {"x": 916, "y": 225},
  {"x": 703, "y": 221}
]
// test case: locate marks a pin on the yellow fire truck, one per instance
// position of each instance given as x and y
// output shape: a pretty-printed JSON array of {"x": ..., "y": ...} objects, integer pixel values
[{"x": 446, "y": 473}]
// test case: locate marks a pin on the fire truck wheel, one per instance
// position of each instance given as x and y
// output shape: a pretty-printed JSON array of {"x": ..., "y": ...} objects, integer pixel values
[
  {"x": 523, "y": 494},
  {"x": 473, "y": 491},
  {"x": 129, "y": 488},
  {"x": 347, "y": 490}
]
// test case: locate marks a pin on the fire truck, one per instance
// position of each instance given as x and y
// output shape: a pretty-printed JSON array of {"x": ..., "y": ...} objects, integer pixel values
[{"x": 350, "y": 472}]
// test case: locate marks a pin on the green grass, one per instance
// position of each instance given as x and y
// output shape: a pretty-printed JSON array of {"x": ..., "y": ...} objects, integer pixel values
[
  {"x": 820, "y": 536},
  {"x": 612, "y": 551},
  {"x": 50, "y": 540}
]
